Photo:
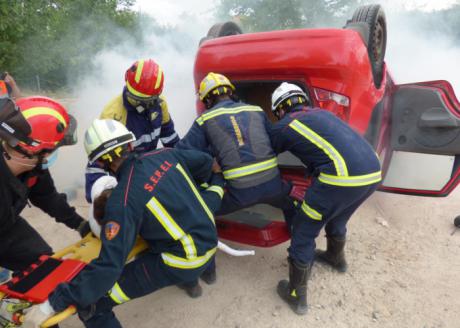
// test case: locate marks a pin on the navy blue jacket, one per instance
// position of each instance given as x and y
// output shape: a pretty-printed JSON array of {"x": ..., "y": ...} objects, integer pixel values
[
  {"x": 157, "y": 198},
  {"x": 329, "y": 147}
]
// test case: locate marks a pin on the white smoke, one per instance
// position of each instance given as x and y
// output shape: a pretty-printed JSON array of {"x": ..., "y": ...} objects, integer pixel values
[
  {"x": 174, "y": 51},
  {"x": 412, "y": 56}
]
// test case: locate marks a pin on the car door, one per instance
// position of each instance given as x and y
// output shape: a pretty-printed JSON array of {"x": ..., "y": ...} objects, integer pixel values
[{"x": 423, "y": 154}]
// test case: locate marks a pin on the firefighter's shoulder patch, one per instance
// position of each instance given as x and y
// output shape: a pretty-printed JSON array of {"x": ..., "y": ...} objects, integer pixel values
[{"x": 111, "y": 229}]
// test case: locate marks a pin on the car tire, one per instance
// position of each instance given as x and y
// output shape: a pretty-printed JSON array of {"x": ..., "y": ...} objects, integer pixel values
[
  {"x": 373, "y": 17},
  {"x": 222, "y": 29}
]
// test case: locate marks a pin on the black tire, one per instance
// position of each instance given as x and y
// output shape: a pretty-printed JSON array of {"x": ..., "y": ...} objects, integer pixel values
[
  {"x": 222, "y": 29},
  {"x": 374, "y": 17}
]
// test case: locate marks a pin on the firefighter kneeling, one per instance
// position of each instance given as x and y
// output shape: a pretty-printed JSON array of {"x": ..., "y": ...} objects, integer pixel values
[{"x": 157, "y": 198}]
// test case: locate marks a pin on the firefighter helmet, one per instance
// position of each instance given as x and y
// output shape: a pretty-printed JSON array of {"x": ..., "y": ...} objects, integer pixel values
[
  {"x": 288, "y": 93},
  {"x": 106, "y": 139},
  {"x": 144, "y": 80},
  {"x": 215, "y": 84},
  {"x": 36, "y": 124}
]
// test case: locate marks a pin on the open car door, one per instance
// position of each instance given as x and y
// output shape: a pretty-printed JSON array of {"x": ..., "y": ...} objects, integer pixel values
[{"x": 424, "y": 149}]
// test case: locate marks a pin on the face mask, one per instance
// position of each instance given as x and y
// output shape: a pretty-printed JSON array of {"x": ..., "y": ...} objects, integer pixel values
[{"x": 50, "y": 160}]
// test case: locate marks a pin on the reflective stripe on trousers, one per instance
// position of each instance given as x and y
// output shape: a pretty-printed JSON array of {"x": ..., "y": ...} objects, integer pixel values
[
  {"x": 117, "y": 295},
  {"x": 351, "y": 181}
]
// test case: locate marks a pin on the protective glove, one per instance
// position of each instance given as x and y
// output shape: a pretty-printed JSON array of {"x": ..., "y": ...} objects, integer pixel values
[
  {"x": 84, "y": 229},
  {"x": 37, "y": 314}
]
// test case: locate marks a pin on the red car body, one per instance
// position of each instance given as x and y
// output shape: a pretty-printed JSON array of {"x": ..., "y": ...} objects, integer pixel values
[{"x": 333, "y": 67}]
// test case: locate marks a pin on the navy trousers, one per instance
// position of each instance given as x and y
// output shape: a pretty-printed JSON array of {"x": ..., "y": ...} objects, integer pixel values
[
  {"x": 324, "y": 206},
  {"x": 140, "y": 277}
]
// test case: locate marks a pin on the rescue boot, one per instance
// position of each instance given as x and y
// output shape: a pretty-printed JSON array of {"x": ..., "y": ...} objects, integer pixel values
[
  {"x": 193, "y": 288},
  {"x": 294, "y": 291},
  {"x": 209, "y": 276},
  {"x": 334, "y": 255}
]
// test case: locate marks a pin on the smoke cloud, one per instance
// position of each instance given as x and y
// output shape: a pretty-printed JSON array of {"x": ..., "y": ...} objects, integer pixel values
[{"x": 411, "y": 56}]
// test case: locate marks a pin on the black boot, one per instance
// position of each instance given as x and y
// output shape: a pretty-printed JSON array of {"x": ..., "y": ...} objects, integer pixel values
[
  {"x": 334, "y": 255},
  {"x": 209, "y": 276},
  {"x": 294, "y": 291},
  {"x": 193, "y": 288}
]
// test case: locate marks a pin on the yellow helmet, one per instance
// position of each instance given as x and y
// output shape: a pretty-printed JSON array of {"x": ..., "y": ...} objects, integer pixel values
[{"x": 215, "y": 83}]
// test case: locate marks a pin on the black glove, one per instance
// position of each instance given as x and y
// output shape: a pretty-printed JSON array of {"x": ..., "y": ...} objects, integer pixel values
[{"x": 84, "y": 229}]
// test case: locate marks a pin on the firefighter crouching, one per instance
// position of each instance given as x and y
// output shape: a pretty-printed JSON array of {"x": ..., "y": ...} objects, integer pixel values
[
  {"x": 236, "y": 134},
  {"x": 346, "y": 172},
  {"x": 157, "y": 198}
]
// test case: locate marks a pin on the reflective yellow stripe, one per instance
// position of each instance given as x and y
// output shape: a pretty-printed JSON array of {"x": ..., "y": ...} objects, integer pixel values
[
  {"x": 315, "y": 215},
  {"x": 217, "y": 189},
  {"x": 172, "y": 227},
  {"x": 34, "y": 111},
  {"x": 195, "y": 191},
  {"x": 250, "y": 169},
  {"x": 117, "y": 295},
  {"x": 237, "y": 130},
  {"x": 135, "y": 92},
  {"x": 351, "y": 181},
  {"x": 222, "y": 111},
  {"x": 324, "y": 145},
  {"x": 140, "y": 67},
  {"x": 160, "y": 74},
  {"x": 181, "y": 263}
]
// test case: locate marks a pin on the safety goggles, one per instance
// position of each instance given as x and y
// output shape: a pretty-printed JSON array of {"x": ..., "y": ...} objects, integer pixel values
[{"x": 136, "y": 101}]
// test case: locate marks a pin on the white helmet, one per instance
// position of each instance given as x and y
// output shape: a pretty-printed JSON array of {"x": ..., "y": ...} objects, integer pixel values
[
  {"x": 105, "y": 136},
  {"x": 285, "y": 91}
]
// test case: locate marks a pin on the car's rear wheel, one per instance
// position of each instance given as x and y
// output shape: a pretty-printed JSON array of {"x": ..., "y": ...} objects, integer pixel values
[
  {"x": 373, "y": 17},
  {"x": 222, "y": 29}
]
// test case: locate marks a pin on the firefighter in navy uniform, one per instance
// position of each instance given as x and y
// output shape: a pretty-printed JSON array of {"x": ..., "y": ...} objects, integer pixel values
[
  {"x": 30, "y": 136},
  {"x": 346, "y": 171},
  {"x": 142, "y": 109},
  {"x": 157, "y": 198},
  {"x": 236, "y": 135}
]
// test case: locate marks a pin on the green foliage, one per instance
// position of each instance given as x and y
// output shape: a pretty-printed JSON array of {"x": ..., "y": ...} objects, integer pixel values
[
  {"x": 266, "y": 15},
  {"x": 57, "y": 39}
]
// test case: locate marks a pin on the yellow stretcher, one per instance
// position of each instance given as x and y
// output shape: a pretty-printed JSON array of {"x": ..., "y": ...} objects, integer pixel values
[{"x": 85, "y": 250}]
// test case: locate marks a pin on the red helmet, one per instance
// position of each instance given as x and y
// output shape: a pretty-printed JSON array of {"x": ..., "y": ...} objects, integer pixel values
[
  {"x": 144, "y": 79},
  {"x": 49, "y": 125}
]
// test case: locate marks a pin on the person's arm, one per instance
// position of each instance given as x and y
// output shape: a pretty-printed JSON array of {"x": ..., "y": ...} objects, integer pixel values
[
  {"x": 213, "y": 193},
  {"x": 195, "y": 139},
  {"x": 44, "y": 196},
  {"x": 118, "y": 236},
  {"x": 92, "y": 173},
  {"x": 278, "y": 137},
  {"x": 168, "y": 134},
  {"x": 199, "y": 164}
]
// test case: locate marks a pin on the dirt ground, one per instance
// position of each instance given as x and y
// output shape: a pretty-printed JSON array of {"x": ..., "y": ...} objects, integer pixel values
[{"x": 404, "y": 271}]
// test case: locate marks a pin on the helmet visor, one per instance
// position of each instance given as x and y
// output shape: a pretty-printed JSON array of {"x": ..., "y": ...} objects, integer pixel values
[
  {"x": 136, "y": 101},
  {"x": 70, "y": 137}
]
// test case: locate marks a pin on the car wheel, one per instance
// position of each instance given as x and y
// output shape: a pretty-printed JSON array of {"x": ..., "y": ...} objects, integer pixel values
[
  {"x": 222, "y": 29},
  {"x": 373, "y": 17}
]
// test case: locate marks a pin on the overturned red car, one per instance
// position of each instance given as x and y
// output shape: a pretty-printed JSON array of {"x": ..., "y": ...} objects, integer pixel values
[{"x": 414, "y": 128}]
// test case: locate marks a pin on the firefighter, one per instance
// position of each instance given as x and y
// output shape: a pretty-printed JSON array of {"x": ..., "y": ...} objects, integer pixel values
[
  {"x": 30, "y": 137},
  {"x": 346, "y": 171},
  {"x": 8, "y": 87},
  {"x": 236, "y": 135},
  {"x": 157, "y": 198},
  {"x": 142, "y": 109}
]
